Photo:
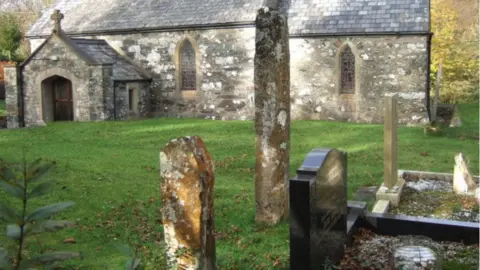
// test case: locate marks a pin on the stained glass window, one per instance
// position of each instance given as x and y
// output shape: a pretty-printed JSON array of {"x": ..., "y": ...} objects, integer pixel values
[
  {"x": 347, "y": 69},
  {"x": 187, "y": 66}
]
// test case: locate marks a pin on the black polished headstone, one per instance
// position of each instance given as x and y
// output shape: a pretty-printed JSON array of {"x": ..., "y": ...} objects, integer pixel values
[
  {"x": 318, "y": 210},
  {"x": 356, "y": 212}
]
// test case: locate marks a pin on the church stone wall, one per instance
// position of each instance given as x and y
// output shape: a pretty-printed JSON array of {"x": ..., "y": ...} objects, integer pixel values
[
  {"x": 121, "y": 100},
  {"x": 142, "y": 100},
  {"x": 225, "y": 71},
  {"x": 386, "y": 65},
  {"x": 100, "y": 85},
  {"x": 12, "y": 96}
]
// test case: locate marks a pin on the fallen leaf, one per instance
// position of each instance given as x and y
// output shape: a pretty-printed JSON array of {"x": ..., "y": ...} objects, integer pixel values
[{"x": 70, "y": 240}]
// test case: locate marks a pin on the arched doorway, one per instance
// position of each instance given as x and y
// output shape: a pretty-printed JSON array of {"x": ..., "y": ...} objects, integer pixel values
[{"x": 57, "y": 99}]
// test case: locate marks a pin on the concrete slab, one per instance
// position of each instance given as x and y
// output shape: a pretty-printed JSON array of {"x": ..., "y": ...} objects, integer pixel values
[
  {"x": 393, "y": 194},
  {"x": 381, "y": 206}
]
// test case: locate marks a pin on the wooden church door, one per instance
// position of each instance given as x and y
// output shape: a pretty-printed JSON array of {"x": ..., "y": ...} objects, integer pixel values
[{"x": 62, "y": 96}]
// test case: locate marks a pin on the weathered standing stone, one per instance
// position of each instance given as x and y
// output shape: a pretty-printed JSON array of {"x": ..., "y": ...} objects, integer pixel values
[
  {"x": 187, "y": 171},
  {"x": 272, "y": 116},
  {"x": 390, "y": 174},
  {"x": 462, "y": 179}
]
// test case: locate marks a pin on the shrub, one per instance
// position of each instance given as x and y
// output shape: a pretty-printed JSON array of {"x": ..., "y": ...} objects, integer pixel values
[
  {"x": 10, "y": 35},
  {"x": 458, "y": 92},
  {"x": 25, "y": 188}
]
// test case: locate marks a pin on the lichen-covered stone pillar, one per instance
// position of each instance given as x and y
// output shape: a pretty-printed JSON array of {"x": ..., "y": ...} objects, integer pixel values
[
  {"x": 272, "y": 115},
  {"x": 13, "y": 97},
  {"x": 187, "y": 204}
]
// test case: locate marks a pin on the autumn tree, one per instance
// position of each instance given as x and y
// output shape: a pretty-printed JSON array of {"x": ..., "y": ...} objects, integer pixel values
[
  {"x": 455, "y": 43},
  {"x": 25, "y": 12},
  {"x": 10, "y": 36}
]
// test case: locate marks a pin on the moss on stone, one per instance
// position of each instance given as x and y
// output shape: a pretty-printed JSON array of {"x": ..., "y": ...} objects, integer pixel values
[{"x": 437, "y": 204}]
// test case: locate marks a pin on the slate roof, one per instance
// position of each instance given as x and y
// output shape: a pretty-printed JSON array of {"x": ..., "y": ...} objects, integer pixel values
[
  {"x": 97, "y": 49},
  {"x": 356, "y": 16},
  {"x": 305, "y": 16}
]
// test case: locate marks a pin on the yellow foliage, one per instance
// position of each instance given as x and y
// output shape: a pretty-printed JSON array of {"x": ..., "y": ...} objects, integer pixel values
[{"x": 457, "y": 47}]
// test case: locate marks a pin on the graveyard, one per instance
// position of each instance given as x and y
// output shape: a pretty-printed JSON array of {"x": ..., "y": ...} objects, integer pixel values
[
  {"x": 273, "y": 191},
  {"x": 111, "y": 171}
]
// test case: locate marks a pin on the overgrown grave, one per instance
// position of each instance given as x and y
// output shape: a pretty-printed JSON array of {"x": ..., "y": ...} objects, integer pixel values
[
  {"x": 325, "y": 227},
  {"x": 426, "y": 231},
  {"x": 424, "y": 194}
]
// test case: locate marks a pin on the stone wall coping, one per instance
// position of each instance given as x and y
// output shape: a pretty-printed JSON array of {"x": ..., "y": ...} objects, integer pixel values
[
  {"x": 10, "y": 65},
  {"x": 69, "y": 43},
  {"x": 444, "y": 176}
]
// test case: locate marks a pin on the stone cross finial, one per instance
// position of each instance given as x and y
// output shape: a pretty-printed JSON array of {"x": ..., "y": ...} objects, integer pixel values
[{"x": 57, "y": 17}]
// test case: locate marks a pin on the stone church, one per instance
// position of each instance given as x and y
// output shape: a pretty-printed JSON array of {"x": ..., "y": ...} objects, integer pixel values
[{"x": 125, "y": 59}]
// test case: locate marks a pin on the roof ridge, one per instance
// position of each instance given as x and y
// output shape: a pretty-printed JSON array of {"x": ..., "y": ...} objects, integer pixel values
[{"x": 88, "y": 41}]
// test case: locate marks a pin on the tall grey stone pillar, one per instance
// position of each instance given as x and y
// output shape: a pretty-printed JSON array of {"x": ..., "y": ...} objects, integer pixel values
[
  {"x": 13, "y": 97},
  {"x": 272, "y": 115}
]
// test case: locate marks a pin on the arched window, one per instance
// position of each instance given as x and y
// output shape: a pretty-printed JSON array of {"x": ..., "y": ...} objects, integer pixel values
[
  {"x": 188, "y": 76},
  {"x": 347, "y": 71}
]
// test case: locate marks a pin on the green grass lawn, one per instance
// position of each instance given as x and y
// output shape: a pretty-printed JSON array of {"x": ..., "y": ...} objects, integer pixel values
[
  {"x": 111, "y": 171},
  {"x": 2, "y": 107}
]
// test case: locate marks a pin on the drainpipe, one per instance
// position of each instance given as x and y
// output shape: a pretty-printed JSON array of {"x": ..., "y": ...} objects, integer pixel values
[
  {"x": 429, "y": 52},
  {"x": 427, "y": 91},
  {"x": 21, "y": 118},
  {"x": 114, "y": 103}
]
